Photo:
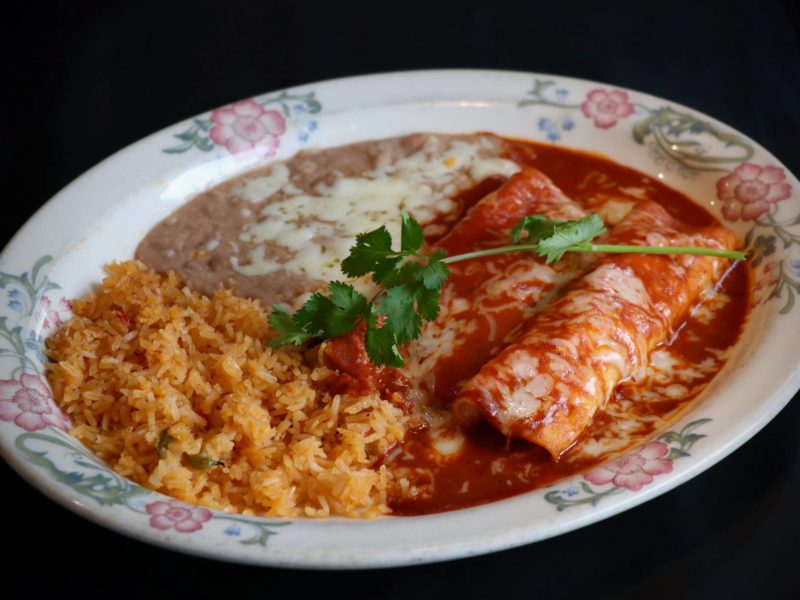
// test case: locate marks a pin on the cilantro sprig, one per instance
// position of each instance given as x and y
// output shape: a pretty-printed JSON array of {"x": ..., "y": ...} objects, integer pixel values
[{"x": 411, "y": 281}]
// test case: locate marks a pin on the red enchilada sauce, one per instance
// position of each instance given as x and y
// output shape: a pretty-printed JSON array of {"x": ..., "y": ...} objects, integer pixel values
[{"x": 488, "y": 466}]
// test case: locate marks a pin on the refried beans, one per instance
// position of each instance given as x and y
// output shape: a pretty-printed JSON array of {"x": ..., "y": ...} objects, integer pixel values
[{"x": 230, "y": 235}]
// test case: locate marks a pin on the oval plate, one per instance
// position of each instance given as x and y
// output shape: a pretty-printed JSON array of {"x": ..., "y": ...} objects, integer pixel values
[{"x": 102, "y": 216}]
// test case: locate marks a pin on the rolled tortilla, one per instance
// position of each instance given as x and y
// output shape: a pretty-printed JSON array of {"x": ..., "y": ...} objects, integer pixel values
[
  {"x": 546, "y": 386},
  {"x": 487, "y": 298}
]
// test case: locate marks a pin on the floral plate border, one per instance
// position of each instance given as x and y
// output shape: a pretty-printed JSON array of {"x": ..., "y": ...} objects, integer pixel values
[
  {"x": 683, "y": 142},
  {"x": 751, "y": 187}
]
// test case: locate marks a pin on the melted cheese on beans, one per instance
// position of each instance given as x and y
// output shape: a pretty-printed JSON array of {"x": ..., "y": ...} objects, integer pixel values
[{"x": 317, "y": 230}]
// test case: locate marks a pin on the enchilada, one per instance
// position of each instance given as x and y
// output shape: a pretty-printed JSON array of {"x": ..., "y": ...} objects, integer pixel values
[{"x": 547, "y": 386}]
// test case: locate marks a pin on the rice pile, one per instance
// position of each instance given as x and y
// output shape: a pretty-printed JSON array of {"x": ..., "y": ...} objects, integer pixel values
[{"x": 160, "y": 381}]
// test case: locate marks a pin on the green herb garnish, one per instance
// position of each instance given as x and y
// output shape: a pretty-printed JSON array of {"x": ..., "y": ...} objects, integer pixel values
[
  {"x": 164, "y": 440},
  {"x": 411, "y": 281},
  {"x": 202, "y": 462}
]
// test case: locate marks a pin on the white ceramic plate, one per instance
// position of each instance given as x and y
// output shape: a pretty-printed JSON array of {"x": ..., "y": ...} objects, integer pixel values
[{"x": 102, "y": 216}]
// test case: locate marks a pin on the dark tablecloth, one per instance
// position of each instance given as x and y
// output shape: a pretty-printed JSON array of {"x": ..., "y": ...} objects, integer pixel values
[{"x": 82, "y": 82}]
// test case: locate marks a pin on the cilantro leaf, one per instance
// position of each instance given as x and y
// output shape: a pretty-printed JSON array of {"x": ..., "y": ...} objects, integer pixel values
[
  {"x": 350, "y": 306},
  {"x": 411, "y": 234},
  {"x": 536, "y": 227},
  {"x": 570, "y": 235},
  {"x": 369, "y": 249},
  {"x": 385, "y": 268},
  {"x": 405, "y": 275},
  {"x": 293, "y": 333},
  {"x": 329, "y": 316},
  {"x": 427, "y": 303},
  {"x": 280, "y": 319},
  {"x": 381, "y": 344},
  {"x": 315, "y": 314},
  {"x": 398, "y": 307},
  {"x": 435, "y": 273},
  {"x": 347, "y": 299}
]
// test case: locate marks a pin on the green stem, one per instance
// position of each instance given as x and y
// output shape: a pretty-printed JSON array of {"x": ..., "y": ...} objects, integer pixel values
[
  {"x": 692, "y": 250},
  {"x": 491, "y": 252},
  {"x": 607, "y": 248}
]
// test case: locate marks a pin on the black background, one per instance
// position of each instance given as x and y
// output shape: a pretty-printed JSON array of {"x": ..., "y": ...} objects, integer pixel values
[{"x": 81, "y": 82}]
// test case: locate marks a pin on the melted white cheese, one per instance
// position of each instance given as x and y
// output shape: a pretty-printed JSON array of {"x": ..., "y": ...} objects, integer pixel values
[
  {"x": 636, "y": 192},
  {"x": 447, "y": 439},
  {"x": 318, "y": 230},
  {"x": 713, "y": 301},
  {"x": 259, "y": 188}
]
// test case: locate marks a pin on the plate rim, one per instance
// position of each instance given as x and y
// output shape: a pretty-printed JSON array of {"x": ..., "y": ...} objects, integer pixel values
[{"x": 51, "y": 489}]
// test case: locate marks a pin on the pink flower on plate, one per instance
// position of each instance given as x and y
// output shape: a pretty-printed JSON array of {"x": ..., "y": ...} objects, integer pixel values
[
  {"x": 749, "y": 190},
  {"x": 605, "y": 107},
  {"x": 634, "y": 470},
  {"x": 182, "y": 517},
  {"x": 247, "y": 127},
  {"x": 52, "y": 318},
  {"x": 29, "y": 404}
]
